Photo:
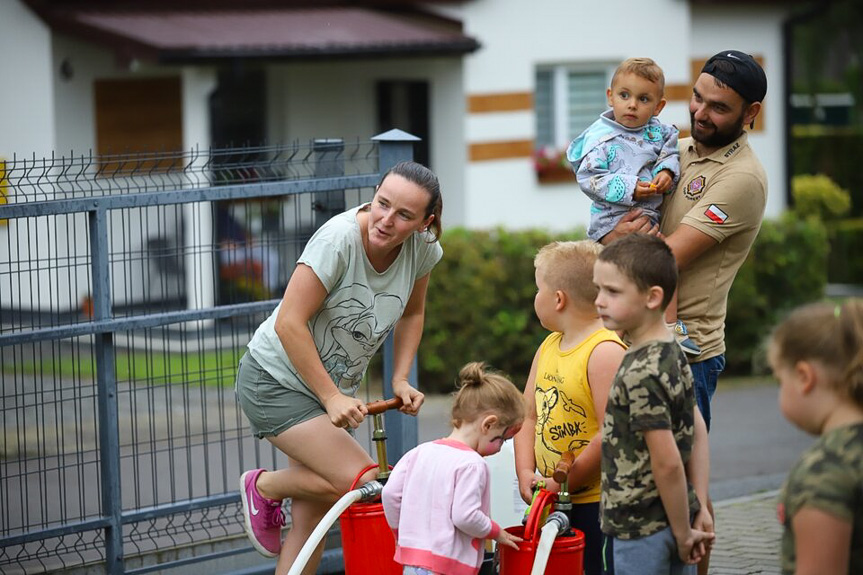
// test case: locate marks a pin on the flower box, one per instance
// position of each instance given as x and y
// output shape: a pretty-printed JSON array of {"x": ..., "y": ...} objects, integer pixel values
[{"x": 552, "y": 166}]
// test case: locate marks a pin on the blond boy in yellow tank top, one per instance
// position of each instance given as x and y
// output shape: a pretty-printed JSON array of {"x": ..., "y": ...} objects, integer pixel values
[{"x": 568, "y": 385}]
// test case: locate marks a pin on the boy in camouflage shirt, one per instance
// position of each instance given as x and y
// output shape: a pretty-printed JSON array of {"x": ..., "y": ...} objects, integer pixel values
[{"x": 654, "y": 441}]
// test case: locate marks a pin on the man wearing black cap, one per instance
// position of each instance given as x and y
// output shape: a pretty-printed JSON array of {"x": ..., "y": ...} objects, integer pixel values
[{"x": 712, "y": 218}]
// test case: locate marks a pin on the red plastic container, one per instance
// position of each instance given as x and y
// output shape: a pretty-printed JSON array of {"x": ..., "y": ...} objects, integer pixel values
[
  {"x": 368, "y": 544},
  {"x": 567, "y": 553}
]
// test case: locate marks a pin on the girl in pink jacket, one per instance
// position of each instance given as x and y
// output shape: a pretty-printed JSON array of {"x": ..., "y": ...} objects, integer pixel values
[{"x": 437, "y": 499}]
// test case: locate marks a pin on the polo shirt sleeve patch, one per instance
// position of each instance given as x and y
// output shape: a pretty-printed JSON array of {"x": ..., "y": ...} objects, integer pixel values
[{"x": 715, "y": 214}]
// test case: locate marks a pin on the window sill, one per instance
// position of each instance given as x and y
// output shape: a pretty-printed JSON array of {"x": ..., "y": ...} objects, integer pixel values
[{"x": 555, "y": 175}]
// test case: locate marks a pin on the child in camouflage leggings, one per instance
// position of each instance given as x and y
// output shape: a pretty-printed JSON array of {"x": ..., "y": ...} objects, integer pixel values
[{"x": 817, "y": 356}]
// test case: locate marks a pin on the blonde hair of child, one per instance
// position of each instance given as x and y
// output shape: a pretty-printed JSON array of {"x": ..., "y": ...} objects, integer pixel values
[
  {"x": 829, "y": 334},
  {"x": 482, "y": 392},
  {"x": 568, "y": 266},
  {"x": 643, "y": 68}
]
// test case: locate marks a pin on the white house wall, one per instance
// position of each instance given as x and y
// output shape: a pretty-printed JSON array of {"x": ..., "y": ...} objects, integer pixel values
[
  {"x": 337, "y": 100},
  {"x": 26, "y": 100},
  {"x": 132, "y": 282},
  {"x": 305, "y": 101},
  {"x": 27, "y": 131},
  {"x": 505, "y": 191},
  {"x": 198, "y": 84},
  {"x": 449, "y": 155},
  {"x": 47, "y": 112},
  {"x": 69, "y": 107}
]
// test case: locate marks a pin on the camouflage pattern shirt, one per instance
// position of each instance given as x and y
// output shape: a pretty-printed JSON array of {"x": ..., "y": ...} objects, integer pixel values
[
  {"x": 652, "y": 390},
  {"x": 828, "y": 477}
]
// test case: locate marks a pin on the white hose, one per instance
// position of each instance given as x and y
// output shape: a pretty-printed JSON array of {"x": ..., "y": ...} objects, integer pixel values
[
  {"x": 370, "y": 489},
  {"x": 556, "y": 524},
  {"x": 543, "y": 549}
]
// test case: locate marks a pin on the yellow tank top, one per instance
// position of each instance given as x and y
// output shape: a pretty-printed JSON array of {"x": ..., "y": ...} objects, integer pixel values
[{"x": 565, "y": 414}]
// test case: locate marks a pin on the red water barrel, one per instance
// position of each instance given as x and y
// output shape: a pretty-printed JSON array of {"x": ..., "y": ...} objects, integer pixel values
[
  {"x": 567, "y": 553},
  {"x": 368, "y": 544}
]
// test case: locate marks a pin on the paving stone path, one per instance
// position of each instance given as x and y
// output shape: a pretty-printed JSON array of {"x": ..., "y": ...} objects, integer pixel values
[{"x": 747, "y": 536}]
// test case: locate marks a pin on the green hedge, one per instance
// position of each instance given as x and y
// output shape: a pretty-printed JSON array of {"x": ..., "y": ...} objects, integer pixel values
[
  {"x": 480, "y": 305},
  {"x": 480, "y": 300},
  {"x": 786, "y": 267},
  {"x": 817, "y": 195},
  {"x": 846, "y": 257},
  {"x": 835, "y": 155}
]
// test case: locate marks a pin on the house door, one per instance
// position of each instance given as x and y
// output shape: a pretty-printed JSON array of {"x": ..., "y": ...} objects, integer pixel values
[{"x": 404, "y": 104}]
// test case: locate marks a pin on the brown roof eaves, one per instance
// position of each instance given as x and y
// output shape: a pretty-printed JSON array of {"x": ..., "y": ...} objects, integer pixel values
[
  {"x": 325, "y": 53},
  {"x": 197, "y": 36}
]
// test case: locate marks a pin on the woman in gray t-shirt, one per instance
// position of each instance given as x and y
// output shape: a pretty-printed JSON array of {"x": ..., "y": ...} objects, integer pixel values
[{"x": 362, "y": 275}]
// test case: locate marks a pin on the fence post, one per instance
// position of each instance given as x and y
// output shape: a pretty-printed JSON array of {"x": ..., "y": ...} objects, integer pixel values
[
  {"x": 393, "y": 147},
  {"x": 198, "y": 233},
  {"x": 329, "y": 163},
  {"x": 396, "y": 146},
  {"x": 106, "y": 382}
]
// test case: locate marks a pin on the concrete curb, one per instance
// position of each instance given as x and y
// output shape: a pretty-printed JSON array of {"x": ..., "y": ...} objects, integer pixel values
[{"x": 746, "y": 498}]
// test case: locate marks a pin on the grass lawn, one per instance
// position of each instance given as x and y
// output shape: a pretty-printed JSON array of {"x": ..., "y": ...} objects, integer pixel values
[
  {"x": 153, "y": 368},
  {"x": 212, "y": 368}
]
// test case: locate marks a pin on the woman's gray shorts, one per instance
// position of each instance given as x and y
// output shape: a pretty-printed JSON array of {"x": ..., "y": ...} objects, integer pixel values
[{"x": 270, "y": 407}]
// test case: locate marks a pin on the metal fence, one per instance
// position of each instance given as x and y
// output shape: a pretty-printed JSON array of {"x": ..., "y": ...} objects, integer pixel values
[{"x": 129, "y": 286}]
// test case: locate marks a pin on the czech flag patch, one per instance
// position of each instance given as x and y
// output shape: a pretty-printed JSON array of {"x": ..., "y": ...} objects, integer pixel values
[{"x": 715, "y": 214}]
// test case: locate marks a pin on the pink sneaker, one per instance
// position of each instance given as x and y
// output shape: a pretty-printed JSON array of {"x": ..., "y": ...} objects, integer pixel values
[{"x": 262, "y": 518}]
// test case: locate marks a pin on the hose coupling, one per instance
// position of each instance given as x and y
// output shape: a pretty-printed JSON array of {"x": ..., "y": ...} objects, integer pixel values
[
  {"x": 370, "y": 490},
  {"x": 561, "y": 519}
]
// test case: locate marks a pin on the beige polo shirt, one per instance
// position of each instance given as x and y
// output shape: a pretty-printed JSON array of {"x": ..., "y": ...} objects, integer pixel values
[{"x": 722, "y": 195}]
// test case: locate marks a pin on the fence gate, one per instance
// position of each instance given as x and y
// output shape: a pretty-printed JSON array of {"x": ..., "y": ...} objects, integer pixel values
[{"x": 129, "y": 286}]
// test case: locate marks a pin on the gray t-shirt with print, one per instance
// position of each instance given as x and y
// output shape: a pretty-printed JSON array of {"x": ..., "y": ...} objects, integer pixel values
[{"x": 360, "y": 310}]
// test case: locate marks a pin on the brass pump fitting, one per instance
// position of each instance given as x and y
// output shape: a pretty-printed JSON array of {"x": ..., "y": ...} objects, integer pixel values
[
  {"x": 563, "y": 503},
  {"x": 379, "y": 436}
]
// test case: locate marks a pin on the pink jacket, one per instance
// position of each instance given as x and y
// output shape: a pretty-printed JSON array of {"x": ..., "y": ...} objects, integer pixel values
[{"x": 437, "y": 502}]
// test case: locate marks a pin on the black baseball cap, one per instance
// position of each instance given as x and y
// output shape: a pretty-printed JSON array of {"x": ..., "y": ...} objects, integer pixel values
[{"x": 740, "y": 72}]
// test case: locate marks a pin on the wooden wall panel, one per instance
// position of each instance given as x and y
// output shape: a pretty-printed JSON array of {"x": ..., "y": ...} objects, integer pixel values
[
  {"x": 504, "y": 102},
  {"x": 501, "y": 150},
  {"x": 678, "y": 92}
]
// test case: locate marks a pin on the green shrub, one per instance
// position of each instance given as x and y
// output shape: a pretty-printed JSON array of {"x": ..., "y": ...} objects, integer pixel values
[
  {"x": 786, "y": 268},
  {"x": 480, "y": 301},
  {"x": 480, "y": 305},
  {"x": 846, "y": 258},
  {"x": 835, "y": 154},
  {"x": 819, "y": 196}
]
